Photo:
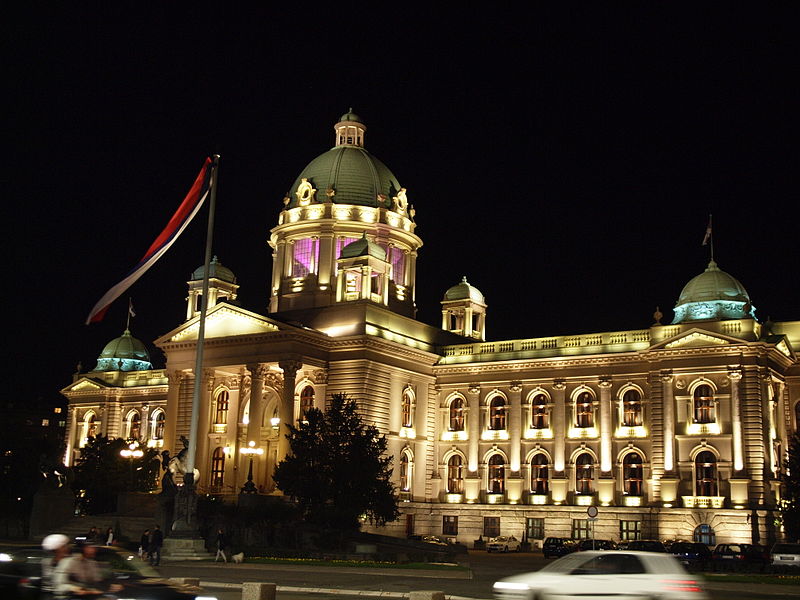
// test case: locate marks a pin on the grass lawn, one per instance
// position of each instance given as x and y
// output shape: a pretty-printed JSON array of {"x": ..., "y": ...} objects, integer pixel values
[{"x": 754, "y": 578}]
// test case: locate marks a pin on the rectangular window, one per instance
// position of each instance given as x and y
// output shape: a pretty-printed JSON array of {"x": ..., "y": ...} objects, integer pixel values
[
  {"x": 398, "y": 259},
  {"x": 534, "y": 528},
  {"x": 491, "y": 526},
  {"x": 630, "y": 530},
  {"x": 304, "y": 257},
  {"x": 581, "y": 529},
  {"x": 45, "y": 422},
  {"x": 57, "y": 410},
  {"x": 449, "y": 525}
]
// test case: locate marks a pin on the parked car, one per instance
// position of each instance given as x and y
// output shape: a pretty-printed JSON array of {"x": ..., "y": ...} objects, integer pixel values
[
  {"x": 554, "y": 546},
  {"x": 739, "y": 557},
  {"x": 786, "y": 555},
  {"x": 430, "y": 539},
  {"x": 597, "y": 545},
  {"x": 691, "y": 554},
  {"x": 21, "y": 571},
  {"x": 504, "y": 543},
  {"x": 646, "y": 546},
  {"x": 612, "y": 573}
]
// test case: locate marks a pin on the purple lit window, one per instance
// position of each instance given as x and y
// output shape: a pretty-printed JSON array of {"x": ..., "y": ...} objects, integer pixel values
[
  {"x": 398, "y": 260},
  {"x": 341, "y": 243},
  {"x": 304, "y": 259}
]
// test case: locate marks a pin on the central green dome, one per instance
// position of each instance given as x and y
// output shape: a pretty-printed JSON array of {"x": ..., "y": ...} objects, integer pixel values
[
  {"x": 125, "y": 353},
  {"x": 713, "y": 294}
]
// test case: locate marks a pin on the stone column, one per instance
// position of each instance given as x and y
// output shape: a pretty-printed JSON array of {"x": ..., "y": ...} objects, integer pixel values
[
  {"x": 202, "y": 461},
  {"x": 606, "y": 425},
  {"x": 559, "y": 428},
  {"x": 286, "y": 412},
  {"x": 72, "y": 432},
  {"x": 144, "y": 424},
  {"x": 436, "y": 476},
  {"x": 515, "y": 426},
  {"x": 735, "y": 375},
  {"x": 256, "y": 410},
  {"x": 474, "y": 416},
  {"x": 174, "y": 379},
  {"x": 669, "y": 421}
]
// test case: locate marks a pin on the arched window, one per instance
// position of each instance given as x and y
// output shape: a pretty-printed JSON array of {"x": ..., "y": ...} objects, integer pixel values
[
  {"x": 584, "y": 413},
  {"x": 632, "y": 474},
  {"x": 218, "y": 467},
  {"x": 159, "y": 419},
  {"x": 222, "y": 408},
  {"x": 497, "y": 413},
  {"x": 703, "y": 404},
  {"x": 306, "y": 401},
  {"x": 455, "y": 475},
  {"x": 797, "y": 416},
  {"x": 705, "y": 465},
  {"x": 134, "y": 425},
  {"x": 405, "y": 472},
  {"x": 91, "y": 425},
  {"x": 497, "y": 474},
  {"x": 584, "y": 472},
  {"x": 456, "y": 415},
  {"x": 632, "y": 408},
  {"x": 539, "y": 412},
  {"x": 704, "y": 534},
  {"x": 406, "y": 410},
  {"x": 540, "y": 483}
]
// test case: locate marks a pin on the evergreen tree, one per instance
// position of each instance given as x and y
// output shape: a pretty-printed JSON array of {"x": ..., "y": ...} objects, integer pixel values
[
  {"x": 338, "y": 470},
  {"x": 101, "y": 473},
  {"x": 790, "y": 509}
]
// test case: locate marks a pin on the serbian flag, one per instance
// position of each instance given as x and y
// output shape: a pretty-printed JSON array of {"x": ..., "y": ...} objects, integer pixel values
[{"x": 185, "y": 213}]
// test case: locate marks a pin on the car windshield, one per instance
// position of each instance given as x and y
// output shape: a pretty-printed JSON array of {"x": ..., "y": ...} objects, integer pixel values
[
  {"x": 113, "y": 561},
  {"x": 501, "y": 538},
  {"x": 787, "y": 548},
  {"x": 566, "y": 564}
]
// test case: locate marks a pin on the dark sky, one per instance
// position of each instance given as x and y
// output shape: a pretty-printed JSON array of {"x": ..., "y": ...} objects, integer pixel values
[{"x": 565, "y": 162}]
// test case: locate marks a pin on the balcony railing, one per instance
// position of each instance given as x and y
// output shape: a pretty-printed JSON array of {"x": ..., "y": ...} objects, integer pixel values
[{"x": 703, "y": 501}]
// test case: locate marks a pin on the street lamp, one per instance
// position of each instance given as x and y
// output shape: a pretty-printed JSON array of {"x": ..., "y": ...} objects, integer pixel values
[
  {"x": 250, "y": 487},
  {"x": 131, "y": 452}
]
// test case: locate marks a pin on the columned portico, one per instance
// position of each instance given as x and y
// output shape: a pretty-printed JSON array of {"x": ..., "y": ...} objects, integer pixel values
[{"x": 286, "y": 410}]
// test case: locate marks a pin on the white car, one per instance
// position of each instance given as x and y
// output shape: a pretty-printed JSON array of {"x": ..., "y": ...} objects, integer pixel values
[
  {"x": 616, "y": 574},
  {"x": 503, "y": 543},
  {"x": 786, "y": 555}
]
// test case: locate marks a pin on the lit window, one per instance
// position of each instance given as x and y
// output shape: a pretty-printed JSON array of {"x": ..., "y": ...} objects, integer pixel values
[
  {"x": 491, "y": 526},
  {"x": 405, "y": 472},
  {"x": 306, "y": 402},
  {"x": 398, "y": 259},
  {"x": 457, "y": 415},
  {"x": 406, "y": 409},
  {"x": 449, "y": 525},
  {"x": 134, "y": 425},
  {"x": 455, "y": 475},
  {"x": 632, "y": 408},
  {"x": 539, "y": 412},
  {"x": 57, "y": 410},
  {"x": 632, "y": 474},
  {"x": 630, "y": 530},
  {"x": 222, "y": 408},
  {"x": 584, "y": 413},
  {"x": 580, "y": 529},
  {"x": 45, "y": 422},
  {"x": 539, "y": 475},
  {"x": 705, "y": 465},
  {"x": 304, "y": 257},
  {"x": 218, "y": 467},
  {"x": 497, "y": 413},
  {"x": 704, "y": 534},
  {"x": 584, "y": 471},
  {"x": 534, "y": 528},
  {"x": 159, "y": 420},
  {"x": 703, "y": 404},
  {"x": 497, "y": 478}
]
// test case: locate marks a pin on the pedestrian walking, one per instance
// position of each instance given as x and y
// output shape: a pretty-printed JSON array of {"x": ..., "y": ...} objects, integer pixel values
[
  {"x": 58, "y": 544},
  {"x": 109, "y": 536},
  {"x": 144, "y": 544},
  {"x": 220, "y": 546},
  {"x": 154, "y": 546}
]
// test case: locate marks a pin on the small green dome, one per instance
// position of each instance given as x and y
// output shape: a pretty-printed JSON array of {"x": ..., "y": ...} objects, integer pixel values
[
  {"x": 350, "y": 116},
  {"x": 217, "y": 270},
  {"x": 363, "y": 247},
  {"x": 464, "y": 291},
  {"x": 125, "y": 353},
  {"x": 713, "y": 294}
]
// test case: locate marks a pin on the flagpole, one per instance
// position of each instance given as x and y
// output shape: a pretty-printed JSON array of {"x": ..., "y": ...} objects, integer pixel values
[{"x": 198, "y": 365}]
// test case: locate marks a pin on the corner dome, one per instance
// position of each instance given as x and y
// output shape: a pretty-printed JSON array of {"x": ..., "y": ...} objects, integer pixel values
[
  {"x": 363, "y": 247},
  {"x": 713, "y": 295},
  {"x": 345, "y": 174},
  {"x": 464, "y": 291},
  {"x": 216, "y": 270},
  {"x": 125, "y": 353}
]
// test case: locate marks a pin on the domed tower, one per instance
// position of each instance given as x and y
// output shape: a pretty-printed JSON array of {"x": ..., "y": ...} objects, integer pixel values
[
  {"x": 125, "y": 353},
  {"x": 464, "y": 311},
  {"x": 221, "y": 286},
  {"x": 341, "y": 197},
  {"x": 713, "y": 296}
]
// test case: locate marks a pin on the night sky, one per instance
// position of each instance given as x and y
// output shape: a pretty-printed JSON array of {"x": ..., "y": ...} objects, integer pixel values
[{"x": 566, "y": 163}]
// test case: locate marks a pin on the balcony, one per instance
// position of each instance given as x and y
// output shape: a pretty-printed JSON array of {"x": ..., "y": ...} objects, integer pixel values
[
  {"x": 632, "y": 500},
  {"x": 493, "y": 498},
  {"x": 538, "y": 499},
  {"x": 703, "y": 501},
  {"x": 584, "y": 499}
]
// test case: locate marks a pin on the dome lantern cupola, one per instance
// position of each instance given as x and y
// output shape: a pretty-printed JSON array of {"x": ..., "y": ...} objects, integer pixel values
[
  {"x": 464, "y": 311},
  {"x": 125, "y": 353},
  {"x": 221, "y": 286},
  {"x": 713, "y": 295},
  {"x": 350, "y": 130}
]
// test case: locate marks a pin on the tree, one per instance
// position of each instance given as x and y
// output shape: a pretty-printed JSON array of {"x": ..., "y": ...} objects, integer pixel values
[
  {"x": 101, "y": 473},
  {"x": 338, "y": 470},
  {"x": 790, "y": 509}
]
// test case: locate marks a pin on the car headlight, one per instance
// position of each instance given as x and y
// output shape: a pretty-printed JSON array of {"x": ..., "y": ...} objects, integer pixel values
[
  {"x": 510, "y": 585},
  {"x": 205, "y": 598},
  {"x": 5, "y": 557}
]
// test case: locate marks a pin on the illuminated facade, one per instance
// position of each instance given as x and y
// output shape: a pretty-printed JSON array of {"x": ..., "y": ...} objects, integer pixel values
[{"x": 674, "y": 431}]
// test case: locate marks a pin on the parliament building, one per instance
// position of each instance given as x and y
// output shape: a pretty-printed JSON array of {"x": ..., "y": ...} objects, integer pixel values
[{"x": 674, "y": 431}]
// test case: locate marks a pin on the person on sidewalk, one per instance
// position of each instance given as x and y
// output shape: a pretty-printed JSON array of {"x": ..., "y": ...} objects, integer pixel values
[
  {"x": 144, "y": 544},
  {"x": 110, "y": 536},
  {"x": 220, "y": 546},
  {"x": 154, "y": 546}
]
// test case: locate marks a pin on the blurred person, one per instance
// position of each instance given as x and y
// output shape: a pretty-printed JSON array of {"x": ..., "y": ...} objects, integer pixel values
[
  {"x": 154, "y": 546},
  {"x": 220, "y": 546},
  {"x": 109, "y": 536},
  {"x": 144, "y": 544},
  {"x": 93, "y": 537},
  {"x": 79, "y": 575},
  {"x": 58, "y": 544}
]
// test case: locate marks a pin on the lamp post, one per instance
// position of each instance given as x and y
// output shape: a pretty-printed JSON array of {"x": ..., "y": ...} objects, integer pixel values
[
  {"x": 131, "y": 452},
  {"x": 250, "y": 487}
]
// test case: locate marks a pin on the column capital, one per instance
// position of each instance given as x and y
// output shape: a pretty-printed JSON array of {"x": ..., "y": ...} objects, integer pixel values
[
  {"x": 734, "y": 374},
  {"x": 605, "y": 382},
  {"x": 666, "y": 376},
  {"x": 290, "y": 367},
  {"x": 474, "y": 388},
  {"x": 320, "y": 376},
  {"x": 257, "y": 370},
  {"x": 559, "y": 384},
  {"x": 175, "y": 376},
  {"x": 516, "y": 387}
]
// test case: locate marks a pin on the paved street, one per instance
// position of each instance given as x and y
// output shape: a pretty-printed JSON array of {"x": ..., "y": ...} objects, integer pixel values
[{"x": 485, "y": 570}]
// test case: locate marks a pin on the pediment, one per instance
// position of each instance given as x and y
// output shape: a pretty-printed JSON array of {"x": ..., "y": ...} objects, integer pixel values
[
  {"x": 84, "y": 384},
  {"x": 695, "y": 338},
  {"x": 222, "y": 320}
]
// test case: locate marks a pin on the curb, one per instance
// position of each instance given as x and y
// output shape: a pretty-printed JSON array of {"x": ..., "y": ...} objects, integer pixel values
[{"x": 316, "y": 590}]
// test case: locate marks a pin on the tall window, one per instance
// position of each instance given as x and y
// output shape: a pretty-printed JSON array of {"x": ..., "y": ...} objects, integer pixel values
[
  {"x": 580, "y": 529},
  {"x": 159, "y": 419},
  {"x": 218, "y": 467},
  {"x": 497, "y": 413},
  {"x": 632, "y": 408},
  {"x": 449, "y": 525},
  {"x": 455, "y": 475},
  {"x": 405, "y": 472},
  {"x": 222, "y": 408},
  {"x": 632, "y": 474},
  {"x": 398, "y": 260},
  {"x": 584, "y": 415},
  {"x": 704, "y": 534},
  {"x": 534, "y": 528},
  {"x": 306, "y": 401},
  {"x": 630, "y": 530},
  {"x": 457, "y": 415},
  {"x": 539, "y": 412},
  {"x": 134, "y": 426},
  {"x": 539, "y": 475},
  {"x": 584, "y": 471},
  {"x": 491, "y": 526},
  {"x": 705, "y": 465},
  {"x": 304, "y": 257},
  {"x": 407, "y": 418},
  {"x": 703, "y": 404},
  {"x": 497, "y": 478}
]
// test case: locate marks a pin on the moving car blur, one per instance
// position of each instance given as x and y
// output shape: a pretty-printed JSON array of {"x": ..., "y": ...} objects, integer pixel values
[{"x": 604, "y": 574}]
